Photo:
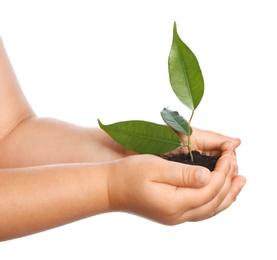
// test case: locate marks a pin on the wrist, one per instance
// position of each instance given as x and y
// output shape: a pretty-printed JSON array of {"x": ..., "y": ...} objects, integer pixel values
[{"x": 116, "y": 183}]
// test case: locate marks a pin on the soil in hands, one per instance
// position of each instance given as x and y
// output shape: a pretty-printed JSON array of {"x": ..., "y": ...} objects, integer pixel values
[{"x": 207, "y": 161}]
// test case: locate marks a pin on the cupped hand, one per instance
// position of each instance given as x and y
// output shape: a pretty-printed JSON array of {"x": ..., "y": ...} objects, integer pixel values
[{"x": 172, "y": 193}]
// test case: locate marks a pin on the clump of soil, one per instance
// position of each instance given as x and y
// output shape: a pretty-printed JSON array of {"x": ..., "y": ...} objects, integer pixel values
[{"x": 207, "y": 161}]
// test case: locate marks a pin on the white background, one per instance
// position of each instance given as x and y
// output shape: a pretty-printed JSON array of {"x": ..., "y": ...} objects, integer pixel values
[{"x": 83, "y": 60}]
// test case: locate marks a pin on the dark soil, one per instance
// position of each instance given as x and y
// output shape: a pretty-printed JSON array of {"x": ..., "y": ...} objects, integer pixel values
[{"x": 198, "y": 159}]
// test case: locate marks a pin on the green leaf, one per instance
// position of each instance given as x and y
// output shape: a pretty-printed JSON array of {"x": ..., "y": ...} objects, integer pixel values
[
  {"x": 143, "y": 137},
  {"x": 174, "y": 120},
  {"x": 185, "y": 74}
]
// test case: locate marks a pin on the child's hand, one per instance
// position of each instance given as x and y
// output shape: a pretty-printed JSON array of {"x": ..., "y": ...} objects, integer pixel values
[
  {"x": 172, "y": 193},
  {"x": 206, "y": 142}
]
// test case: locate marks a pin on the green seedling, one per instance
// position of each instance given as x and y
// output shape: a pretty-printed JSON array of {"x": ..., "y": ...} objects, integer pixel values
[{"x": 188, "y": 85}]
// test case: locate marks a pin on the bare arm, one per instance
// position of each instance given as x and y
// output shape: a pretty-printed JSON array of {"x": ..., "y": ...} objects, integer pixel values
[
  {"x": 39, "y": 141},
  {"x": 27, "y": 140},
  {"x": 34, "y": 199},
  {"x": 13, "y": 105}
]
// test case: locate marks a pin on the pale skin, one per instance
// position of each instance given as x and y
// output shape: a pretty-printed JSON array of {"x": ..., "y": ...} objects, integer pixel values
[{"x": 53, "y": 172}]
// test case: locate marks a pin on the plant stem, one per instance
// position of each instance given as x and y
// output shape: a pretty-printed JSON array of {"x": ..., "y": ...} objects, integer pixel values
[{"x": 189, "y": 134}]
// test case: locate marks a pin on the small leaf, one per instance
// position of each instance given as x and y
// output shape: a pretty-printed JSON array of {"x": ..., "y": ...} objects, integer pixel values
[
  {"x": 143, "y": 137},
  {"x": 185, "y": 74},
  {"x": 174, "y": 120}
]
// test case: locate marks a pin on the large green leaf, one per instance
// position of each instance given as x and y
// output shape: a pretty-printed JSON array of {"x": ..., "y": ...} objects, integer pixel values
[
  {"x": 185, "y": 74},
  {"x": 174, "y": 120},
  {"x": 143, "y": 137}
]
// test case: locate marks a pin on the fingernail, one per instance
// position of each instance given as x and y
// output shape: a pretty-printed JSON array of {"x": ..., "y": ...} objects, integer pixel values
[
  {"x": 201, "y": 175},
  {"x": 241, "y": 184},
  {"x": 231, "y": 146}
]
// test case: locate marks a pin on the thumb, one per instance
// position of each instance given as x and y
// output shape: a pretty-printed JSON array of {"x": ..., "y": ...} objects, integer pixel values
[{"x": 184, "y": 175}]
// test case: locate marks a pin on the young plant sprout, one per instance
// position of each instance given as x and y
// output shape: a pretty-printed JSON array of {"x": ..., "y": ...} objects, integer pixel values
[
  {"x": 187, "y": 82},
  {"x": 188, "y": 85}
]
